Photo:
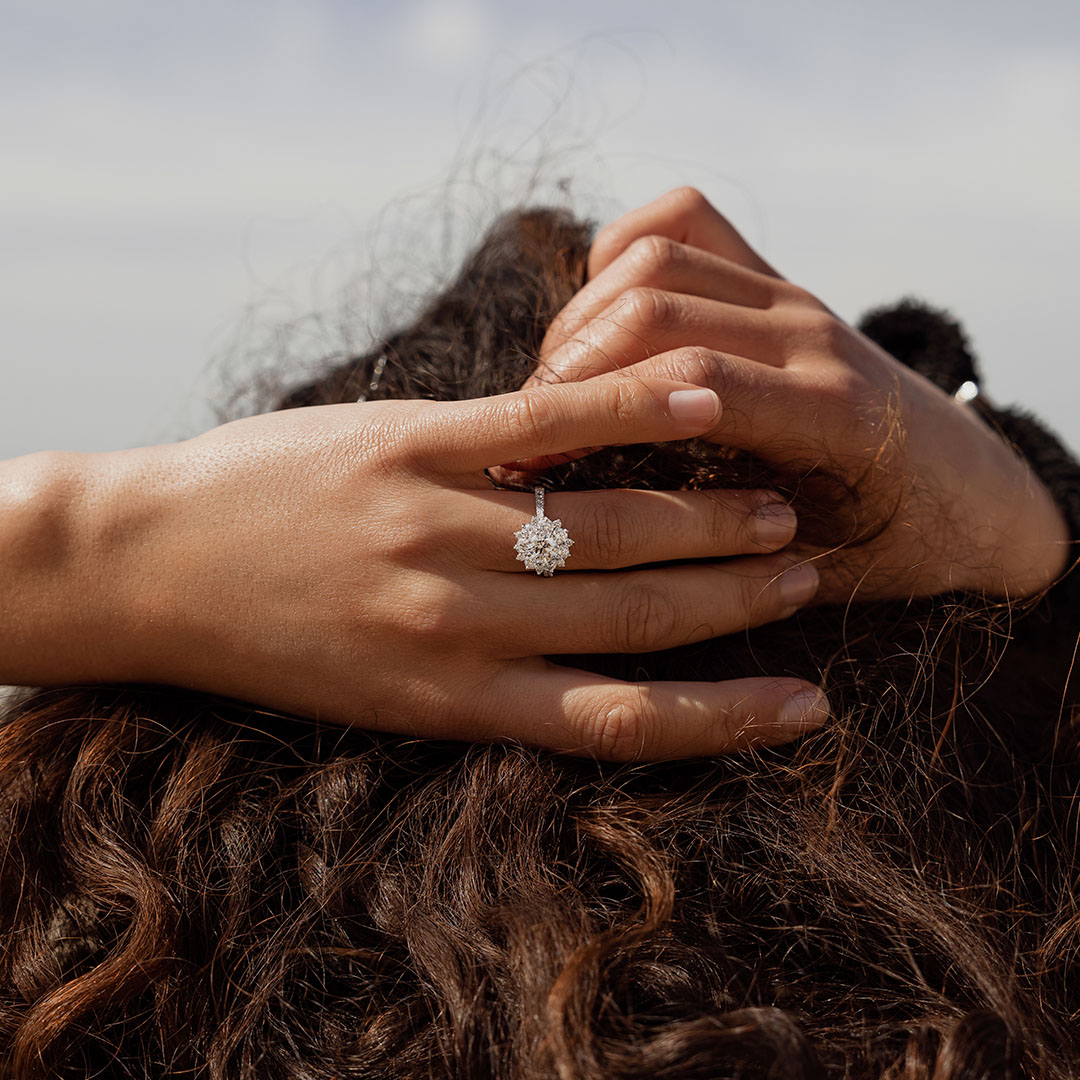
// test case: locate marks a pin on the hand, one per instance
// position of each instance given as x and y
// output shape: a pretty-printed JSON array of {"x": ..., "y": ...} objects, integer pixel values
[
  {"x": 352, "y": 563},
  {"x": 922, "y": 496}
]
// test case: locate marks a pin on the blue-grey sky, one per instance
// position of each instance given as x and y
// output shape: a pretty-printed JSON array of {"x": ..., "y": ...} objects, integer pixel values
[{"x": 180, "y": 180}]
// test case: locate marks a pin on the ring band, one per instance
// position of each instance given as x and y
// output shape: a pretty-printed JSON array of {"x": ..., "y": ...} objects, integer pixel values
[{"x": 542, "y": 544}]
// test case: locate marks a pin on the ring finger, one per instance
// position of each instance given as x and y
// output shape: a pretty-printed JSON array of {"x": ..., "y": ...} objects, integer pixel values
[{"x": 620, "y": 528}]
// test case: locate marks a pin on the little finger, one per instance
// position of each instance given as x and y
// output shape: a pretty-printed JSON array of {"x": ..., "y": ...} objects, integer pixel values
[{"x": 577, "y": 712}]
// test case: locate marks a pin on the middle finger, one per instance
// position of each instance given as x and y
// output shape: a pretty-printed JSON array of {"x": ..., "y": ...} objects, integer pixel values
[{"x": 644, "y": 322}]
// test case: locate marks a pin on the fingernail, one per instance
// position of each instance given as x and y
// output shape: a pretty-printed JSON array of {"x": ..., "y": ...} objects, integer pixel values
[
  {"x": 798, "y": 584},
  {"x": 693, "y": 406},
  {"x": 807, "y": 708},
  {"x": 773, "y": 524}
]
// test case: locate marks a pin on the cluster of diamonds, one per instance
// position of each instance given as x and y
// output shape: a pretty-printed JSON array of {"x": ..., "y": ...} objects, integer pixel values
[{"x": 542, "y": 544}]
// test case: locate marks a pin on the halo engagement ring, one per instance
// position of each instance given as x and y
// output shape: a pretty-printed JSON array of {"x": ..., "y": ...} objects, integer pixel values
[{"x": 542, "y": 544}]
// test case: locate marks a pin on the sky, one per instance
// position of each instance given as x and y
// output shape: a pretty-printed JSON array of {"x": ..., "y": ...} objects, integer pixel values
[{"x": 192, "y": 193}]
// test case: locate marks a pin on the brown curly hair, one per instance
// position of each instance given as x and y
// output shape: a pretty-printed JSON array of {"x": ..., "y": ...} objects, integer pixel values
[{"x": 192, "y": 887}]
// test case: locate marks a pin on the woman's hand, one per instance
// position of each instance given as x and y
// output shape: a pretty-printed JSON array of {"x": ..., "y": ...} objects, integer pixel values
[
  {"x": 353, "y": 563},
  {"x": 933, "y": 499}
]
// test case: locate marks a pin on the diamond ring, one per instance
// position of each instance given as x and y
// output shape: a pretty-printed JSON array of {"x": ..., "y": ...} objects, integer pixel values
[{"x": 542, "y": 544}]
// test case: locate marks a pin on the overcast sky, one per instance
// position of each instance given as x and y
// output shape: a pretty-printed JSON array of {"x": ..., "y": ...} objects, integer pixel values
[{"x": 181, "y": 180}]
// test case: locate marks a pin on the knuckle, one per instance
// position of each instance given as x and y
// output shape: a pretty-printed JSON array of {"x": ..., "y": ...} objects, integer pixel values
[
  {"x": 645, "y": 618},
  {"x": 531, "y": 415},
  {"x": 608, "y": 533},
  {"x": 697, "y": 364},
  {"x": 841, "y": 395},
  {"x": 731, "y": 521},
  {"x": 796, "y": 297},
  {"x": 652, "y": 255},
  {"x": 616, "y": 731},
  {"x": 412, "y": 542},
  {"x": 432, "y": 613},
  {"x": 760, "y": 596},
  {"x": 557, "y": 333},
  {"x": 691, "y": 201},
  {"x": 609, "y": 242},
  {"x": 397, "y": 439},
  {"x": 848, "y": 390},
  {"x": 648, "y": 308},
  {"x": 822, "y": 331},
  {"x": 627, "y": 400}
]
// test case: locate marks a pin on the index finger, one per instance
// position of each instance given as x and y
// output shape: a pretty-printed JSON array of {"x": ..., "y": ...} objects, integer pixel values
[
  {"x": 469, "y": 436},
  {"x": 684, "y": 215},
  {"x": 763, "y": 407}
]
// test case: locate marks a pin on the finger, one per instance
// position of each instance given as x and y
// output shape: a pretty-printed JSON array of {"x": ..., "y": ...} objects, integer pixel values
[
  {"x": 643, "y": 322},
  {"x": 468, "y": 436},
  {"x": 580, "y": 713},
  {"x": 657, "y": 262},
  {"x": 684, "y": 215},
  {"x": 783, "y": 415},
  {"x": 612, "y": 529},
  {"x": 779, "y": 414},
  {"x": 640, "y": 611}
]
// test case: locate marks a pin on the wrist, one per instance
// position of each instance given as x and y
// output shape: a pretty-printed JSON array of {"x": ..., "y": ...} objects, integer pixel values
[
  {"x": 1020, "y": 537},
  {"x": 991, "y": 526},
  {"x": 48, "y": 582},
  {"x": 73, "y": 551}
]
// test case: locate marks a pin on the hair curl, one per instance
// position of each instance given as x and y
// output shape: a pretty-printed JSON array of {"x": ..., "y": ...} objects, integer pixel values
[{"x": 193, "y": 887}]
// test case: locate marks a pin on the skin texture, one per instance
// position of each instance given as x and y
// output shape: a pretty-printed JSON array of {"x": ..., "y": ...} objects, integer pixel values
[
  {"x": 352, "y": 563},
  {"x": 935, "y": 500}
]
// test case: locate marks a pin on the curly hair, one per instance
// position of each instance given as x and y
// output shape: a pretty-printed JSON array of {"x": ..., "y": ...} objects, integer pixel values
[{"x": 193, "y": 887}]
